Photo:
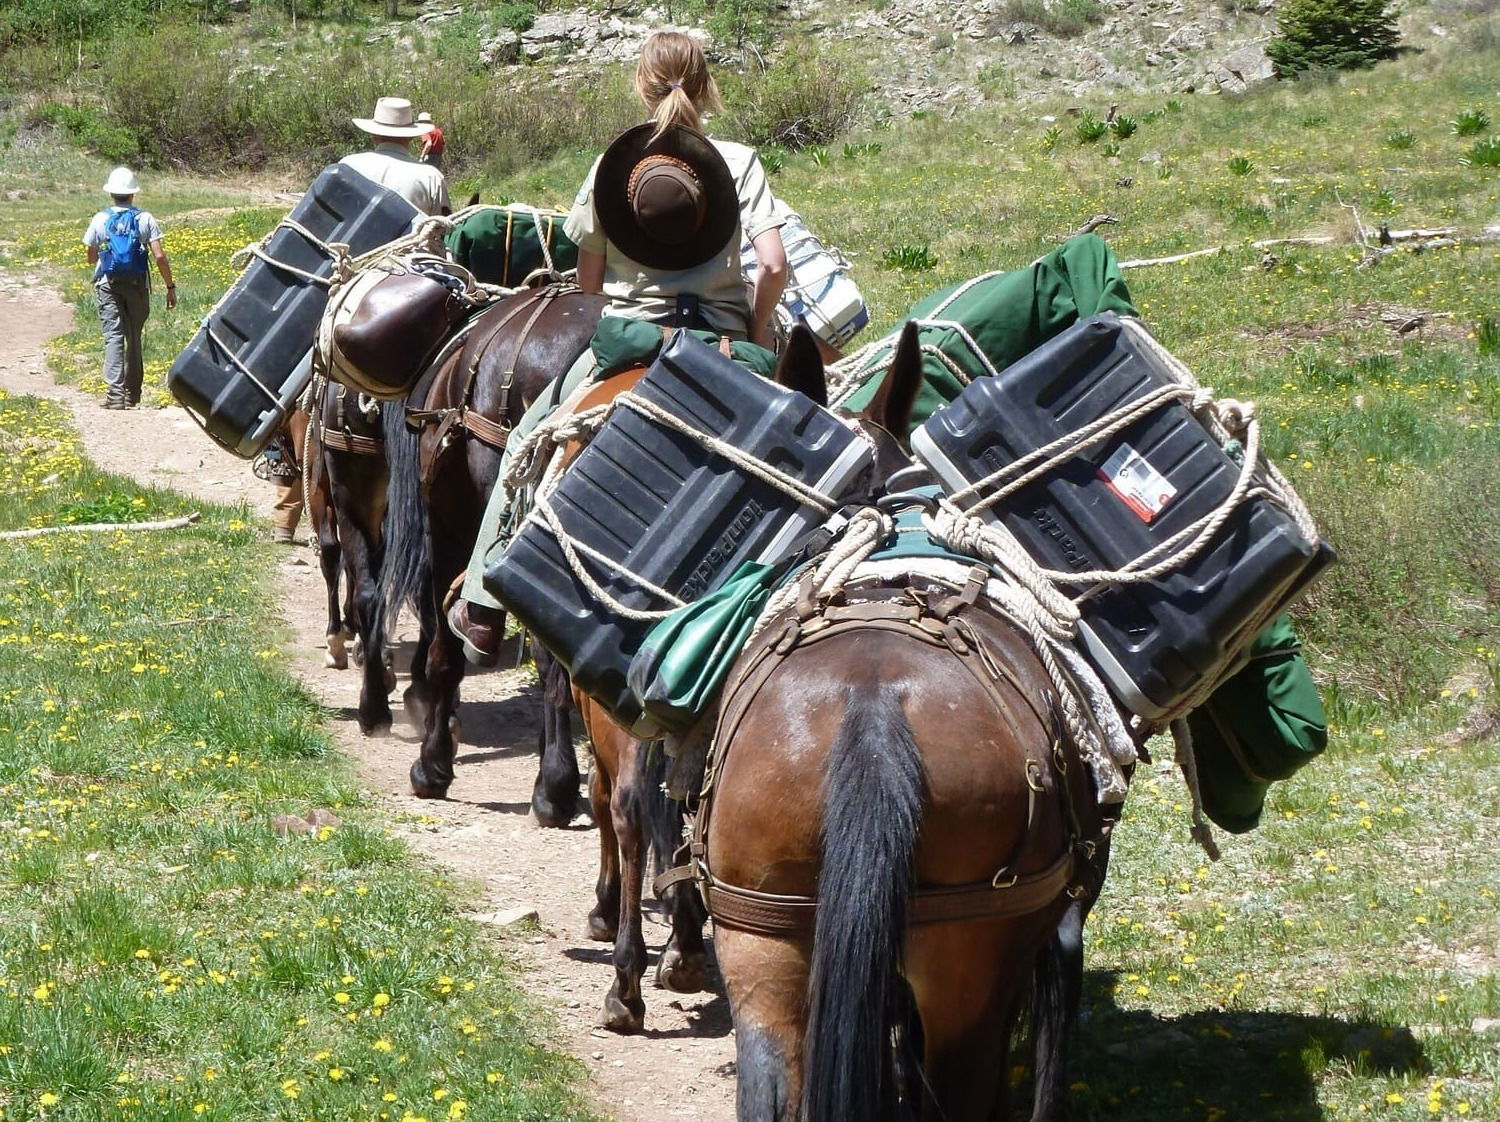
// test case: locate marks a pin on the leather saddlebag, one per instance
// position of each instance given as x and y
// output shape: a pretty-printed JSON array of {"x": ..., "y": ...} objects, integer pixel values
[{"x": 388, "y": 323}]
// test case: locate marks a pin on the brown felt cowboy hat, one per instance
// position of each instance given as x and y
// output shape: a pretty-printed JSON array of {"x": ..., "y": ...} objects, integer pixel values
[{"x": 668, "y": 203}]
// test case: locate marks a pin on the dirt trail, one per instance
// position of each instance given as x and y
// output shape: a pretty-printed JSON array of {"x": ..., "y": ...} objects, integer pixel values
[{"x": 682, "y": 1066}]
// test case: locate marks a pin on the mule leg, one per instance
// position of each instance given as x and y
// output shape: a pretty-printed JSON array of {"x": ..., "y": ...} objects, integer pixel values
[
  {"x": 362, "y": 551},
  {"x": 432, "y": 772},
  {"x": 624, "y": 1007},
  {"x": 767, "y": 984},
  {"x": 554, "y": 796},
  {"x": 605, "y": 918}
]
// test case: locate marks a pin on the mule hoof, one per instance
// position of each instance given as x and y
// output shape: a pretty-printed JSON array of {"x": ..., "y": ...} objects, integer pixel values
[
  {"x": 332, "y": 662},
  {"x": 624, "y": 1016},
  {"x": 357, "y": 651},
  {"x": 601, "y": 929},
  {"x": 417, "y": 705},
  {"x": 423, "y": 788},
  {"x": 551, "y": 811},
  {"x": 682, "y": 973},
  {"x": 390, "y": 680},
  {"x": 378, "y": 725}
]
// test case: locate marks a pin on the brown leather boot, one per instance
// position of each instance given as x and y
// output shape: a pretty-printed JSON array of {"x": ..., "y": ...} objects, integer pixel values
[{"x": 480, "y": 629}]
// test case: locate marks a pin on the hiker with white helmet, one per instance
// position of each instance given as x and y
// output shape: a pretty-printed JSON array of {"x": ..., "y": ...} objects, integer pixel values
[{"x": 118, "y": 241}]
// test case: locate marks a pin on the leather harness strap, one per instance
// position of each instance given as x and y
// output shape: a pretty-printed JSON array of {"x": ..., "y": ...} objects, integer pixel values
[
  {"x": 763, "y": 913},
  {"x": 937, "y": 621},
  {"x": 341, "y": 437},
  {"x": 463, "y": 417}
]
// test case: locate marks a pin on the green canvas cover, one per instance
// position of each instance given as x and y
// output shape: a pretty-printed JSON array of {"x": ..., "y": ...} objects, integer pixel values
[
  {"x": 681, "y": 666},
  {"x": 1264, "y": 723},
  {"x": 502, "y": 245},
  {"x": 621, "y": 343},
  {"x": 1007, "y": 315}
]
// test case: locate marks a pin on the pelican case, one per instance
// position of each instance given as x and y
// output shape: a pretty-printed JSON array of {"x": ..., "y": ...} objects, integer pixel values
[
  {"x": 243, "y": 371},
  {"x": 659, "y": 504},
  {"x": 1153, "y": 642}
]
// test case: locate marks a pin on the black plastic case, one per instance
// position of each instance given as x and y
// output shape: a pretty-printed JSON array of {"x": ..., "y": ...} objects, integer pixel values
[
  {"x": 251, "y": 359},
  {"x": 661, "y": 505},
  {"x": 1153, "y": 642}
]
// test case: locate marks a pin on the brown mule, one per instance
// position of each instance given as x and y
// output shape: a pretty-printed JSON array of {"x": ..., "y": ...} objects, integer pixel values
[
  {"x": 895, "y": 825},
  {"x": 625, "y": 792},
  {"x": 464, "y": 409}
]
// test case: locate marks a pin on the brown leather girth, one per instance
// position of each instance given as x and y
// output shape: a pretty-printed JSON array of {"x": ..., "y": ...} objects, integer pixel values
[
  {"x": 337, "y": 434},
  {"x": 937, "y": 620}
]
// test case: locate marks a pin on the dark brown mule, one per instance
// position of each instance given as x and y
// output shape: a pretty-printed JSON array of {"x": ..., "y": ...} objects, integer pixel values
[
  {"x": 633, "y": 813},
  {"x": 346, "y": 485},
  {"x": 895, "y": 821},
  {"x": 465, "y": 408}
]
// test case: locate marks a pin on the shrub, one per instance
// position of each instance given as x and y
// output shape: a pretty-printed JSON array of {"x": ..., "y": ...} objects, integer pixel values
[
  {"x": 1332, "y": 35},
  {"x": 1470, "y": 122},
  {"x": 1056, "y": 17},
  {"x": 807, "y": 98},
  {"x": 1124, "y": 127},
  {"x": 1089, "y": 128},
  {"x": 1050, "y": 137},
  {"x": 1240, "y": 165},
  {"x": 1484, "y": 154},
  {"x": 909, "y": 258},
  {"x": 1401, "y": 139},
  {"x": 91, "y": 131}
]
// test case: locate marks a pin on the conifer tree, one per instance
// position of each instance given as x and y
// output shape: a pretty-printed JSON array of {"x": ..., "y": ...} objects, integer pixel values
[{"x": 1332, "y": 35}]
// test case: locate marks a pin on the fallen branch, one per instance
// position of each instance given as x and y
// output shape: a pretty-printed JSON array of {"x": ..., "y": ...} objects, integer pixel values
[
  {"x": 1093, "y": 224},
  {"x": 98, "y": 527},
  {"x": 1140, "y": 262}
]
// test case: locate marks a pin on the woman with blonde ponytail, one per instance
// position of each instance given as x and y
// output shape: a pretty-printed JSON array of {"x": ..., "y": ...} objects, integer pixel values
[
  {"x": 660, "y": 219},
  {"x": 659, "y": 223}
]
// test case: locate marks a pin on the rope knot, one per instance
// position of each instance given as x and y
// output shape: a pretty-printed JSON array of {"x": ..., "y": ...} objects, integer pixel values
[{"x": 1236, "y": 416}]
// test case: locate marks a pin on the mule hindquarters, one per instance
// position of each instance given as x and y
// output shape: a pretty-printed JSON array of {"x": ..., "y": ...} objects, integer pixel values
[{"x": 810, "y": 797}]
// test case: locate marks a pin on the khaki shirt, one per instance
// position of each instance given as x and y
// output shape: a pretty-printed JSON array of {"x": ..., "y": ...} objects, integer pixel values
[
  {"x": 393, "y": 166},
  {"x": 638, "y": 292}
]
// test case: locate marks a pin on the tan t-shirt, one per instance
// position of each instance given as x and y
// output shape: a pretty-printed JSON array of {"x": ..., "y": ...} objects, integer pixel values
[
  {"x": 392, "y": 165},
  {"x": 638, "y": 292}
]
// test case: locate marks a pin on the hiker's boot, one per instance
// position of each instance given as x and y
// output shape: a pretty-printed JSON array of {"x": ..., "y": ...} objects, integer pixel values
[{"x": 479, "y": 627}]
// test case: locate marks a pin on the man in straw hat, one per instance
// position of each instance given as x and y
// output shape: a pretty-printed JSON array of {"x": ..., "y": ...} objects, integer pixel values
[
  {"x": 118, "y": 241},
  {"x": 391, "y": 163}
]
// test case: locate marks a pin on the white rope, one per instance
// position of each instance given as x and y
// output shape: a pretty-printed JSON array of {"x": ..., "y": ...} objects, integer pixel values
[
  {"x": 866, "y": 529},
  {"x": 542, "y": 512},
  {"x": 775, "y": 477}
]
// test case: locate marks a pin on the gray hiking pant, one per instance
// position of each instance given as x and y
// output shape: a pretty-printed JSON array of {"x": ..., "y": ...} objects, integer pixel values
[
  {"x": 124, "y": 304},
  {"x": 495, "y": 529}
]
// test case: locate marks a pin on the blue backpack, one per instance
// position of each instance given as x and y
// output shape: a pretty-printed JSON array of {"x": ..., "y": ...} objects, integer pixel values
[{"x": 122, "y": 254}]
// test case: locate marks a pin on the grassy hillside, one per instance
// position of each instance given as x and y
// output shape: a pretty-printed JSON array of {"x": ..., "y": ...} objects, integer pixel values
[{"x": 1340, "y": 962}]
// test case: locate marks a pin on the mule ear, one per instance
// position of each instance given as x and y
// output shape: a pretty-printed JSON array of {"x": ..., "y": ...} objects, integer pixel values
[
  {"x": 473, "y": 199},
  {"x": 800, "y": 366},
  {"x": 892, "y": 404}
]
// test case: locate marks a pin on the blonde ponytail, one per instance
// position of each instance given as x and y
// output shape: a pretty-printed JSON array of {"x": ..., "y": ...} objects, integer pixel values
[{"x": 672, "y": 79}]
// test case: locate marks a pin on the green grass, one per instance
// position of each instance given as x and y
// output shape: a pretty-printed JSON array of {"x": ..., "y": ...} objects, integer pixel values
[
  {"x": 1339, "y": 964},
  {"x": 163, "y": 953}
]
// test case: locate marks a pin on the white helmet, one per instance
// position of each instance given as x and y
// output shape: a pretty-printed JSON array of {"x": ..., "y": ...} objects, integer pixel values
[{"x": 121, "y": 181}]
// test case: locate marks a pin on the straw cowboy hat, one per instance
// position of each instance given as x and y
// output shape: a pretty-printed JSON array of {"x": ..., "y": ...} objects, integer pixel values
[
  {"x": 668, "y": 203},
  {"x": 121, "y": 181},
  {"x": 393, "y": 118}
]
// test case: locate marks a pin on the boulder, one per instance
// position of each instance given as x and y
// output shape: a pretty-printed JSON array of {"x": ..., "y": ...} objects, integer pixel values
[{"x": 1240, "y": 70}]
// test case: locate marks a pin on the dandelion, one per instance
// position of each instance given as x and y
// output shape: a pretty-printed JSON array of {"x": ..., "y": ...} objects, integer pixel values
[
  {"x": 46, "y": 1098},
  {"x": 381, "y": 1000}
]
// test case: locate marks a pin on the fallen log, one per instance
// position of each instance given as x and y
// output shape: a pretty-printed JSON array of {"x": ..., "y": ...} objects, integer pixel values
[{"x": 101, "y": 527}]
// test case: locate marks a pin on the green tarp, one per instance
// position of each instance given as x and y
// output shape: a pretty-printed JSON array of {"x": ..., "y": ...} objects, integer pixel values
[
  {"x": 1006, "y": 315},
  {"x": 502, "y": 245}
]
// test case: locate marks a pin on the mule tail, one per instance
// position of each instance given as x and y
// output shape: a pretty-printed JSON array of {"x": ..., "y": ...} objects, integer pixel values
[
  {"x": 404, "y": 574},
  {"x": 857, "y": 998}
]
